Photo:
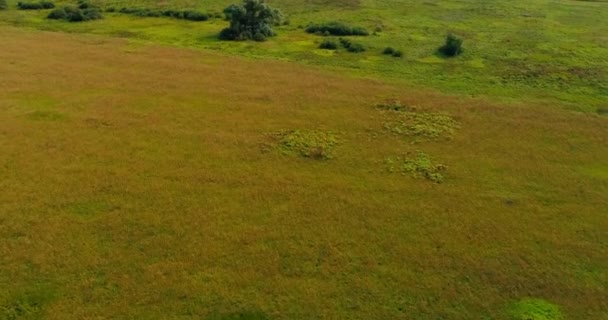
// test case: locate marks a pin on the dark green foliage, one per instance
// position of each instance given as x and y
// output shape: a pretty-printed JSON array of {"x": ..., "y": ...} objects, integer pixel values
[
  {"x": 75, "y": 14},
  {"x": 58, "y": 14},
  {"x": 111, "y": 9},
  {"x": 84, "y": 4},
  {"x": 35, "y": 5},
  {"x": 388, "y": 51},
  {"x": 356, "y": 48},
  {"x": 452, "y": 46},
  {"x": 191, "y": 15},
  {"x": 336, "y": 29},
  {"x": 329, "y": 45},
  {"x": 3, "y": 5},
  {"x": 351, "y": 47},
  {"x": 195, "y": 15},
  {"x": 397, "y": 54},
  {"x": 252, "y": 20}
]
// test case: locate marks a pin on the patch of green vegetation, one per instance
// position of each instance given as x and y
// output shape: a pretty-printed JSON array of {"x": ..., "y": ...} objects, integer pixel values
[
  {"x": 192, "y": 15},
  {"x": 309, "y": 144},
  {"x": 535, "y": 309},
  {"x": 418, "y": 124},
  {"x": 328, "y": 45},
  {"x": 602, "y": 111},
  {"x": 419, "y": 166},
  {"x": 3, "y": 5},
  {"x": 35, "y": 5},
  {"x": 252, "y": 20},
  {"x": 28, "y": 305},
  {"x": 336, "y": 29}
]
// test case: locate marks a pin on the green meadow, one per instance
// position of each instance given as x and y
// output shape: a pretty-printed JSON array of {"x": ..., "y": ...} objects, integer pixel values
[{"x": 149, "y": 170}]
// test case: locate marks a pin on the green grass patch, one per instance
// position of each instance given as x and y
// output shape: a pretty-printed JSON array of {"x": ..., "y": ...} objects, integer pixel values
[
  {"x": 418, "y": 124},
  {"x": 535, "y": 309},
  {"x": 308, "y": 144},
  {"x": 419, "y": 166}
]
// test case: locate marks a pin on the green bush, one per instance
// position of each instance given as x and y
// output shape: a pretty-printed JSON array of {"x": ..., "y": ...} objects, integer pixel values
[
  {"x": 328, "y": 45},
  {"x": 3, "y": 5},
  {"x": 35, "y": 5},
  {"x": 388, "y": 51},
  {"x": 58, "y": 14},
  {"x": 336, "y": 29},
  {"x": 397, "y": 54},
  {"x": 191, "y": 15},
  {"x": 252, "y": 20},
  {"x": 195, "y": 15},
  {"x": 452, "y": 46},
  {"x": 355, "y": 48},
  {"x": 111, "y": 9},
  {"x": 75, "y": 14}
]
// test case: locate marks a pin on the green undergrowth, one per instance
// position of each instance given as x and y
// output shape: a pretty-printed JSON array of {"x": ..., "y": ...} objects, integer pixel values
[
  {"x": 407, "y": 121},
  {"x": 535, "y": 309},
  {"x": 419, "y": 165},
  {"x": 312, "y": 144}
]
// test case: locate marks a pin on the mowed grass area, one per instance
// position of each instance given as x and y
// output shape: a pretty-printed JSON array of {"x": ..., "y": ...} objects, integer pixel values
[
  {"x": 137, "y": 184},
  {"x": 533, "y": 50}
]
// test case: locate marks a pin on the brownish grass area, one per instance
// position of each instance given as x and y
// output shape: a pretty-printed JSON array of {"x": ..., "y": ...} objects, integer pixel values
[{"x": 134, "y": 185}]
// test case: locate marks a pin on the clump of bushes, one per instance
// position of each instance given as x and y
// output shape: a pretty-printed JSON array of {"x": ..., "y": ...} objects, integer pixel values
[
  {"x": 419, "y": 166},
  {"x": 392, "y": 52},
  {"x": 328, "y": 45},
  {"x": 308, "y": 144},
  {"x": 35, "y": 5},
  {"x": 336, "y": 29},
  {"x": 251, "y": 20},
  {"x": 75, "y": 14},
  {"x": 3, "y": 5},
  {"x": 452, "y": 46},
  {"x": 191, "y": 15},
  {"x": 351, "y": 47}
]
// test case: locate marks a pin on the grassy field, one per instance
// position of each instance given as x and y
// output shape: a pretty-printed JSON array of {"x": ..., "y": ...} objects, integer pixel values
[
  {"x": 535, "y": 50},
  {"x": 150, "y": 171},
  {"x": 141, "y": 182}
]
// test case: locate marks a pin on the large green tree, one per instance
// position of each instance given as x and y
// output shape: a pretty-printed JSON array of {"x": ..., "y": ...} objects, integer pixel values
[{"x": 251, "y": 20}]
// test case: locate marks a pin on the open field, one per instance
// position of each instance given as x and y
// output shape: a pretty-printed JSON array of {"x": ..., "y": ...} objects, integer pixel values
[
  {"x": 137, "y": 183},
  {"x": 532, "y": 50}
]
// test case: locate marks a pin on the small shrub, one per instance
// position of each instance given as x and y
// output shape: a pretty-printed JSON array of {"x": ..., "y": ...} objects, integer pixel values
[
  {"x": 193, "y": 15},
  {"x": 91, "y": 14},
  {"x": 75, "y": 14},
  {"x": 345, "y": 43},
  {"x": 388, "y": 51},
  {"x": 355, "y": 48},
  {"x": 111, "y": 9},
  {"x": 308, "y": 144},
  {"x": 58, "y": 14},
  {"x": 452, "y": 46},
  {"x": 35, "y": 5},
  {"x": 336, "y": 29},
  {"x": 602, "y": 111},
  {"x": 3, "y": 5},
  {"x": 419, "y": 166},
  {"x": 328, "y": 45},
  {"x": 397, "y": 54}
]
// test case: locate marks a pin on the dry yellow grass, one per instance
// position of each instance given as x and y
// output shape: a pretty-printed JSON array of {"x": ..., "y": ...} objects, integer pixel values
[{"x": 134, "y": 186}]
